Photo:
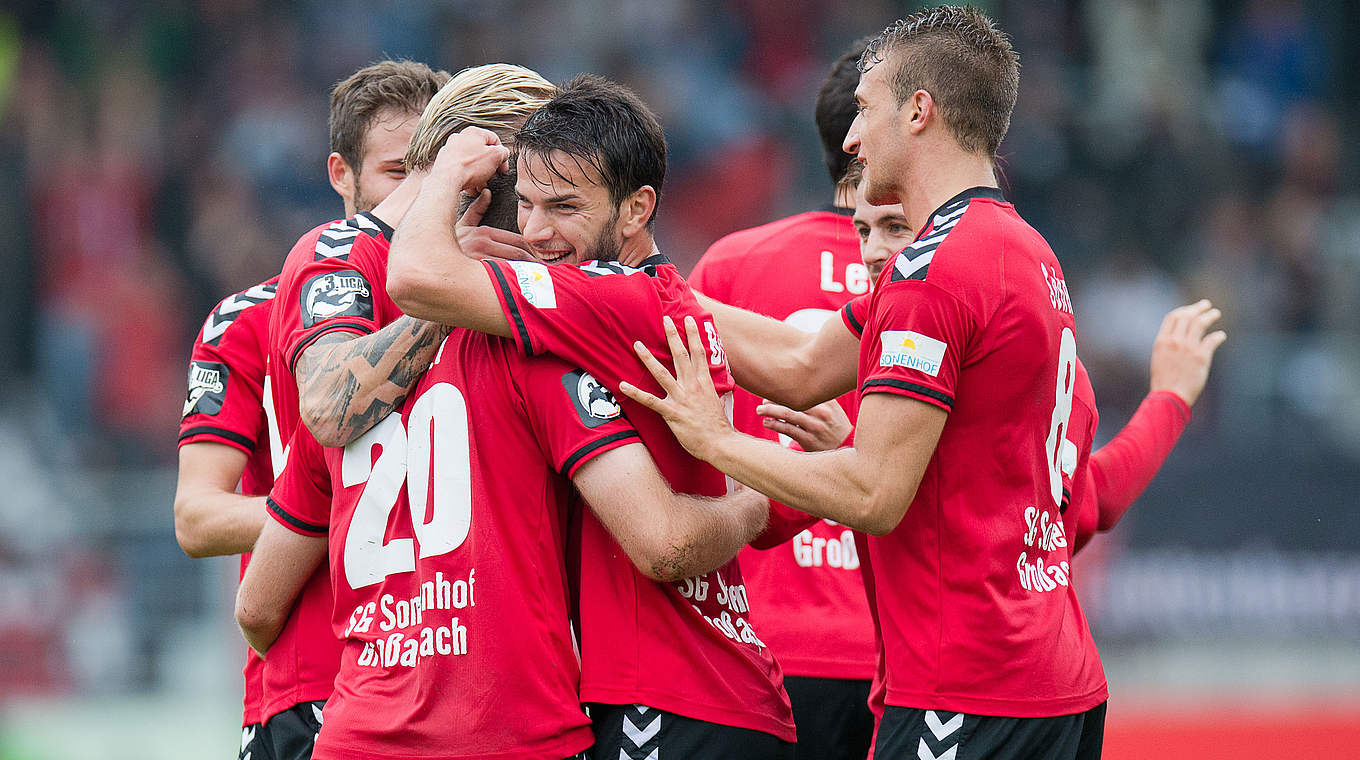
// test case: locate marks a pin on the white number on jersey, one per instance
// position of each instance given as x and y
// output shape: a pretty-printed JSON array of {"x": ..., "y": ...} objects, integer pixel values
[
  {"x": 1057, "y": 444},
  {"x": 438, "y": 426}
]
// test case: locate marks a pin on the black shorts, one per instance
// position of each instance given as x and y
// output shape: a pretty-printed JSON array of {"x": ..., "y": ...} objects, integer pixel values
[
  {"x": 833, "y": 718},
  {"x": 637, "y": 732},
  {"x": 253, "y": 744},
  {"x": 289, "y": 735},
  {"x": 926, "y": 734}
]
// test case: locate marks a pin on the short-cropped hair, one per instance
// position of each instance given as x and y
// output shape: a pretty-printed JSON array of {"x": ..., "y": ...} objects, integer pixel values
[
  {"x": 966, "y": 64},
  {"x": 357, "y": 100}
]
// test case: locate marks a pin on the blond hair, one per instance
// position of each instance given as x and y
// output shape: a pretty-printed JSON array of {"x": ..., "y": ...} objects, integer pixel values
[{"x": 497, "y": 96}]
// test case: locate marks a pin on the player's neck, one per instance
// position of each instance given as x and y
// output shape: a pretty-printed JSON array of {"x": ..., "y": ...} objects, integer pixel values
[
  {"x": 939, "y": 181},
  {"x": 392, "y": 208},
  {"x": 637, "y": 250}
]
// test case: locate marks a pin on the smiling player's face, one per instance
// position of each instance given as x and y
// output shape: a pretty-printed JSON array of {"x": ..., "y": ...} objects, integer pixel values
[{"x": 565, "y": 212}]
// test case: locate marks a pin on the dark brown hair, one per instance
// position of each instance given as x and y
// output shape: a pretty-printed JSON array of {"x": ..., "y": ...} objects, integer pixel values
[
  {"x": 966, "y": 64},
  {"x": 836, "y": 108},
  {"x": 402, "y": 86},
  {"x": 605, "y": 125}
]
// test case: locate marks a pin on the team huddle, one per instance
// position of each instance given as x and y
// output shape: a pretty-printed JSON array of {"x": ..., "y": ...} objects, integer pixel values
[{"x": 511, "y": 487}]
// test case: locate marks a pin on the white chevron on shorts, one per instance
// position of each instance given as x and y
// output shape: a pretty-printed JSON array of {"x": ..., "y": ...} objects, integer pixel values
[
  {"x": 653, "y": 755},
  {"x": 923, "y": 752},
  {"x": 247, "y": 736},
  {"x": 639, "y": 735},
  {"x": 941, "y": 730}
]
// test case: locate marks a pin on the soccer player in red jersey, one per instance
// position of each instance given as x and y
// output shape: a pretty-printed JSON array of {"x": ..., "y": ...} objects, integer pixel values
[
  {"x": 223, "y": 435},
  {"x": 674, "y": 667},
  {"x": 807, "y": 597},
  {"x": 446, "y": 525},
  {"x": 352, "y": 355},
  {"x": 966, "y": 369}
]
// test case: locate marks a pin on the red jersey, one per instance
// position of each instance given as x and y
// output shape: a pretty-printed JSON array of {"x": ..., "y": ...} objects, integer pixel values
[
  {"x": 449, "y": 580},
  {"x": 225, "y": 405},
  {"x": 684, "y": 647},
  {"x": 335, "y": 278},
  {"x": 807, "y": 595},
  {"x": 980, "y": 615},
  {"x": 1119, "y": 471}
]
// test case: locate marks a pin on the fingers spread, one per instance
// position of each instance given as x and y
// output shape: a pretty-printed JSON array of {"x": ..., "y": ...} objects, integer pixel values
[{"x": 658, "y": 370}]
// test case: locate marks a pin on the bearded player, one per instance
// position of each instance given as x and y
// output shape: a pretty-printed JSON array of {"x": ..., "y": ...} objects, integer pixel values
[
  {"x": 669, "y": 667},
  {"x": 446, "y": 525},
  {"x": 223, "y": 435}
]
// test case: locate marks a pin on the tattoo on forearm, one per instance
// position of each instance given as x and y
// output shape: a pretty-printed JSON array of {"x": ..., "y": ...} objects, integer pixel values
[{"x": 358, "y": 381}]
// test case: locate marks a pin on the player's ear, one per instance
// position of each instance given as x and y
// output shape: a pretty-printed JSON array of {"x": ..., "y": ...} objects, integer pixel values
[
  {"x": 636, "y": 210},
  {"x": 341, "y": 176},
  {"x": 918, "y": 110}
]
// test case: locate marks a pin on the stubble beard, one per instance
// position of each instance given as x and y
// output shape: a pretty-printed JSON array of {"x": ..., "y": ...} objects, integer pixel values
[{"x": 606, "y": 246}]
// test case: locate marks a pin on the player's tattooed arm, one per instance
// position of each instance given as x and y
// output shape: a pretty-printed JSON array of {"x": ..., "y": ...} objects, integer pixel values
[
  {"x": 346, "y": 384},
  {"x": 667, "y": 536}
]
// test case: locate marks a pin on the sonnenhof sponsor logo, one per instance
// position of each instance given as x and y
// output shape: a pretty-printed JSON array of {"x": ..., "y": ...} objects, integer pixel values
[{"x": 912, "y": 350}]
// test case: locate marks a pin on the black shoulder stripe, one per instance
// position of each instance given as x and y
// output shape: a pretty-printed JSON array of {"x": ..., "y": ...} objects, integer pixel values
[
  {"x": 306, "y": 527},
  {"x": 514, "y": 309},
  {"x": 594, "y": 446},
  {"x": 324, "y": 328},
  {"x": 889, "y": 382},
  {"x": 220, "y": 433},
  {"x": 850, "y": 317}
]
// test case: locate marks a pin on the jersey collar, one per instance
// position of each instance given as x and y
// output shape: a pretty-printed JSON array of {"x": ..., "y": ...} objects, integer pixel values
[
  {"x": 386, "y": 228},
  {"x": 960, "y": 201},
  {"x": 655, "y": 260}
]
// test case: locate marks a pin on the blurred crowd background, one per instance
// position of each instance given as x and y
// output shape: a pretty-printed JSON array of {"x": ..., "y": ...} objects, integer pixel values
[{"x": 157, "y": 156}]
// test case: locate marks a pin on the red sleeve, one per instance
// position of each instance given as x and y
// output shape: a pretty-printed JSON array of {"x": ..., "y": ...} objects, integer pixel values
[
  {"x": 225, "y": 400},
  {"x": 855, "y": 313},
  {"x": 919, "y": 334},
  {"x": 574, "y": 417},
  {"x": 590, "y": 315},
  {"x": 301, "y": 499},
  {"x": 1125, "y": 466},
  {"x": 334, "y": 293}
]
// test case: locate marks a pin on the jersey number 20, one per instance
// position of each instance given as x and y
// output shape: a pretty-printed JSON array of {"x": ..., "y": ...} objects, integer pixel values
[{"x": 441, "y": 506}]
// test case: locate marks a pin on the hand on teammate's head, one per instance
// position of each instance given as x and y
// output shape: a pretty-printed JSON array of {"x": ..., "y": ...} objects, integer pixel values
[
  {"x": 1184, "y": 350},
  {"x": 470, "y": 158}
]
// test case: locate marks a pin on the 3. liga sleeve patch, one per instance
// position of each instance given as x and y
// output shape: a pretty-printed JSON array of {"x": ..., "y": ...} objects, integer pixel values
[
  {"x": 336, "y": 294},
  {"x": 594, "y": 404},
  {"x": 207, "y": 388}
]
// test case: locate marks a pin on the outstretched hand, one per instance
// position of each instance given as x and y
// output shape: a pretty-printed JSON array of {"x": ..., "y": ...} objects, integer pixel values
[
  {"x": 1183, "y": 353},
  {"x": 479, "y": 242},
  {"x": 691, "y": 407}
]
